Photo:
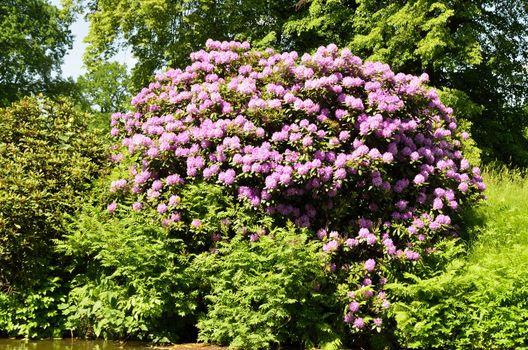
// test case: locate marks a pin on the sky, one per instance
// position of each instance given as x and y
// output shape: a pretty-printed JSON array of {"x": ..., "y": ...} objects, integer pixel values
[{"x": 73, "y": 63}]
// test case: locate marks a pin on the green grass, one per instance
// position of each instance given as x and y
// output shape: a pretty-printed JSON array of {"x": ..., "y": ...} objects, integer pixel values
[
  {"x": 505, "y": 231},
  {"x": 480, "y": 301},
  {"x": 500, "y": 249}
]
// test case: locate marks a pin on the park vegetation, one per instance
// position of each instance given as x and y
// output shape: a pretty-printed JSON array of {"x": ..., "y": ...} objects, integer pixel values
[{"x": 269, "y": 173}]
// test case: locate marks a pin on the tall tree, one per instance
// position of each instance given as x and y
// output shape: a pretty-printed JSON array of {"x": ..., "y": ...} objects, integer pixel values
[
  {"x": 476, "y": 52},
  {"x": 162, "y": 33},
  {"x": 34, "y": 37},
  {"x": 105, "y": 87}
]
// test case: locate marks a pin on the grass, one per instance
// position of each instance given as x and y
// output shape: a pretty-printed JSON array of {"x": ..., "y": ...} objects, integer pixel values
[
  {"x": 501, "y": 244},
  {"x": 480, "y": 301}
]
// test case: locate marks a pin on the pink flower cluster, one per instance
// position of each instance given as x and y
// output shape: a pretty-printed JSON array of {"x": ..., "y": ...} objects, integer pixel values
[{"x": 326, "y": 140}]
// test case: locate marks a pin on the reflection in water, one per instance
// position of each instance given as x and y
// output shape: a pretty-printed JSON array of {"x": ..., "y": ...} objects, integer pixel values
[{"x": 68, "y": 344}]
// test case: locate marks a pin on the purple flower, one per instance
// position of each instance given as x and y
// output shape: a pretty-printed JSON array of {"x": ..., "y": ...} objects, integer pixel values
[
  {"x": 351, "y": 242},
  {"x": 173, "y": 200},
  {"x": 174, "y": 179},
  {"x": 463, "y": 187},
  {"x": 162, "y": 208},
  {"x": 118, "y": 185},
  {"x": 359, "y": 323},
  {"x": 411, "y": 255},
  {"x": 370, "y": 265},
  {"x": 227, "y": 177},
  {"x": 419, "y": 179},
  {"x": 157, "y": 185},
  {"x": 196, "y": 223},
  {"x": 111, "y": 208},
  {"x": 364, "y": 233},
  {"x": 340, "y": 174},
  {"x": 371, "y": 239},
  {"x": 353, "y": 306},
  {"x": 331, "y": 246}
]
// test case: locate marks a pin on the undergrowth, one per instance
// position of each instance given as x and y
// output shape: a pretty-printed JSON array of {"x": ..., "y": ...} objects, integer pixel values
[{"x": 480, "y": 300}]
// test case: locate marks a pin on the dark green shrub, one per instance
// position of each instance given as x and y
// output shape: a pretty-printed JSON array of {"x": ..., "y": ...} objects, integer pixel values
[
  {"x": 269, "y": 292},
  {"x": 49, "y": 158}
]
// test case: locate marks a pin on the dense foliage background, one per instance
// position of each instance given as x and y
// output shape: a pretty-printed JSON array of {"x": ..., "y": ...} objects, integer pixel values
[
  {"x": 84, "y": 253},
  {"x": 474, "y": 51},
  {"x": 49, "y": 159},
  {"x": 34, "y": 38}
]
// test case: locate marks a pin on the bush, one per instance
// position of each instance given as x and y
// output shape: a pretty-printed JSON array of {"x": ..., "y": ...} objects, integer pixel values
[
  {"x": 33, "y": 312},
  {"x": 130, "y": 279},
  {"x": 49, "y": 159},
  {"x": 270, "y": 292},
  {"x": 368, "y": 160},
  {"x": 480, "y": 301}
]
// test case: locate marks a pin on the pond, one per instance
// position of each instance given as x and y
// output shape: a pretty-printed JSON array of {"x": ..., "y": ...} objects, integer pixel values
[{"x": 77, "y": 344}]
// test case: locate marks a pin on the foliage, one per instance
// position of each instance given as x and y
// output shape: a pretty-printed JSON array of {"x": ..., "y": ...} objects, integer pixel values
[
  {"x": 270, "y": 292},
  {"x": 368, "y": 158},
  {"x": 475, "y": 51},
  {"x": 163, "y": 33},
  {"x": 34, "y": 37},
  {"x": 130, "y": 279},
  {"x": 33, "y": 312},
  {"x": 105, "y": 87},
  {"x": 479, "y": 301},
  {"x": 49, "y": 158}
]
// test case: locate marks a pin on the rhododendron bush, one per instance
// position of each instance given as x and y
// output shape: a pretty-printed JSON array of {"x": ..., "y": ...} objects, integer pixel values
[{"x": 367, "y": 160}]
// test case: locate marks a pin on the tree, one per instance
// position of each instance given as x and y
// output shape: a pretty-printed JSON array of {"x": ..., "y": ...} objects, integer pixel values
[
  {"x": 475, "y": 51},
  {"x": 105, "y": 87},
  {"x": 34, "y": 37},
  {"x": 163, "y": 33},
  {"x": 49, "y": 159}
]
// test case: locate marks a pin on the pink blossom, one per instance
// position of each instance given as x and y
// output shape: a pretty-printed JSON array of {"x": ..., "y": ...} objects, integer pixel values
[{"x": 111, "y": 208}]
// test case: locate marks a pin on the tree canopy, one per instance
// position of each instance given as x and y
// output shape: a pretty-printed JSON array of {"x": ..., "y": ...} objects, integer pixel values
[
  {"x": 475, "y": 52},
  {"x": 105, "y": 87},
  {"x": 34, "y": 37},
  {"x": 163, "y": 33}
]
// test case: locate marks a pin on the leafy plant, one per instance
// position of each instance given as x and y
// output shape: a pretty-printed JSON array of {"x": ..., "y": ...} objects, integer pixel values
[
  {"x": 480, "y": 300},
  {"x": 33, "y": 312},
  {"x": 269, "y": 292},
  {"x": 130, "y": 278},
  {"x": 49, "y": 159}
]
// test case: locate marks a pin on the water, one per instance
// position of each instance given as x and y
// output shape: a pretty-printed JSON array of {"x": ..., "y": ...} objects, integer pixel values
[
  {"x": 68, "y": 344},
  {"x": 76, "y": 344}
]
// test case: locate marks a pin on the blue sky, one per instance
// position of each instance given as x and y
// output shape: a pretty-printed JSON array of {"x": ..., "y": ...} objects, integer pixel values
[{"x": 73, "y": 64}]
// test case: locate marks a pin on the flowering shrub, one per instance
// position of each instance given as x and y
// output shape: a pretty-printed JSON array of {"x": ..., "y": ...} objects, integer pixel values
[{"x": 366, "y": 159}]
